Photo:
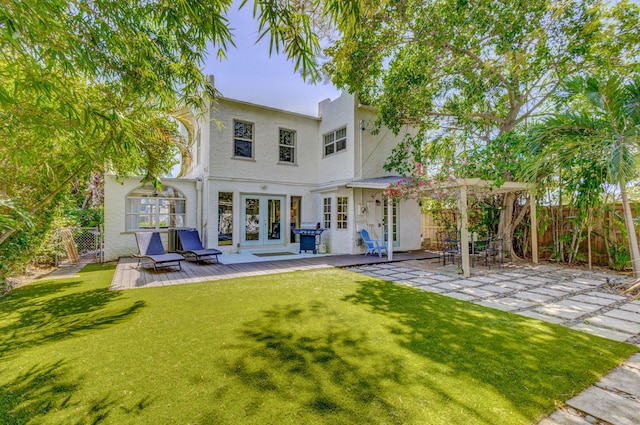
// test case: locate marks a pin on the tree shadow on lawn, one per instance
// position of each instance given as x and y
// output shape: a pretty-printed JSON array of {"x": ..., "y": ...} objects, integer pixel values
[
  {"x": 478, "y": 365},
  {"x": 308, "y": 367},
  {"x": 534, "y": 364},
  {"x": 48, "y": 391},
  {"x": 42, "y": 312}
]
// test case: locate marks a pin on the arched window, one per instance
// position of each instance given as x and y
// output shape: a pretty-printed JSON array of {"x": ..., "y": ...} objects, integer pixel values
[{"x": 150, "y": 209}]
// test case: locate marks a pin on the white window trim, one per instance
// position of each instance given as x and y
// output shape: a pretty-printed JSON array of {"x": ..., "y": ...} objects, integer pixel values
[
  {"x": 293, "y": 146},
  {"x": 327, "y": 224},
  {"x": 334, "y": 142},
  {"x": 342, "y": 213},
  {"x": 252, "y": 140},
  {"x": 157, "y": 213}
]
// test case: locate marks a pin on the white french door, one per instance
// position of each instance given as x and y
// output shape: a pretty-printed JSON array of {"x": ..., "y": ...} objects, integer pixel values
[
  {"x": 262, "y": 220},
  {"x": 395, "y": 229}
]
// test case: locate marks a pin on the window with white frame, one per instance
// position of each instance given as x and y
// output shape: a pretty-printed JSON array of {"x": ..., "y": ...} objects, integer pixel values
[
  {"x": 335, "y": 141},
  {"x": 150, "y": 209},
  {"x": 287, "y": 146},
  {"x": 326, "y": 213},
  {"x": 342, "y": 209},
  {"x": 242, "y": 139}
]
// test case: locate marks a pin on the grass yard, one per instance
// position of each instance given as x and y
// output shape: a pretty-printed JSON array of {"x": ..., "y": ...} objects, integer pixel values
[{"x": 318, "y": 347}]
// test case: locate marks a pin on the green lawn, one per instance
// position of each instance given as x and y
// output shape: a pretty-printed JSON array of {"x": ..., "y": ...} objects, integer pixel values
[{"x": 319, "y": 347}]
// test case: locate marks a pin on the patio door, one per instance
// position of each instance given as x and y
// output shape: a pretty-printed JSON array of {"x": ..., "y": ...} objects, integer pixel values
[
  {"x": 395, "y": 228},
  {"x": 262, "y": 220}
]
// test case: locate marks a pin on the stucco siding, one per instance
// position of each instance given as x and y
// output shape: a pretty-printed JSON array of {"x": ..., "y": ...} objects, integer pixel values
[
  {"x": 339, "y": 166},
  {"x": 312, "y": 177},
  {"x": 265, "y": 165},
  {"x": 376, "y": 146}
]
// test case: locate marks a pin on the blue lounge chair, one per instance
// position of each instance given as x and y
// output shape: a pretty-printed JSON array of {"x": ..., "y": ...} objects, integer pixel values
[
  {"x": 192, "y": 247},
  {"x": 150, "y": 248},
  {"x": 374, "y": 246}
]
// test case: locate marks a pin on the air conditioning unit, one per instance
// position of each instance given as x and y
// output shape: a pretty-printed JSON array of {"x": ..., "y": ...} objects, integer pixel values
[{"x": 173, "y": 242}]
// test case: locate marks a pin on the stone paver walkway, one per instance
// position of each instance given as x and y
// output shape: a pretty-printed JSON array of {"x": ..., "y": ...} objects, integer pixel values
[{"x": 580, "y": 300}]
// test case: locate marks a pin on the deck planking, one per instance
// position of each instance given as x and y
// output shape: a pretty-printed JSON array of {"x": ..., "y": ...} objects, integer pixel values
[{"x": 129, "y": 275}]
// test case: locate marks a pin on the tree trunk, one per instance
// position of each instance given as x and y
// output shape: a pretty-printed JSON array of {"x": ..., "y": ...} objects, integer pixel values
[
  {"x": 631, "y": 230},
  {"x": 512, "y": 223},
  {"x": 509, "y": 200}
]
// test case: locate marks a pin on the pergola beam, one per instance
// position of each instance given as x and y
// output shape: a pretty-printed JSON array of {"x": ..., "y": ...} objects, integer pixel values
[
  {"x": 534, "y": 226},
  {"x": 389, "y": 228}
]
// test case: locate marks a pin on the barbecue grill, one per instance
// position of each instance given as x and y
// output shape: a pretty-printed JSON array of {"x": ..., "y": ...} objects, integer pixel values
[{"x": 309, "y": 239}]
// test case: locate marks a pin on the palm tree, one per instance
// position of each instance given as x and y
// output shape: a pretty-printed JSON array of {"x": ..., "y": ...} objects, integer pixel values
[{"x": 603, "y": 125}]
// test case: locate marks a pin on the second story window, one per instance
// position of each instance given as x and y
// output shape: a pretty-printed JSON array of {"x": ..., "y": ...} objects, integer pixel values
[
  {"x": 287, "y": 146},
  {"x": 335, "y": 141},
  {"x": 242, "y": 139}
]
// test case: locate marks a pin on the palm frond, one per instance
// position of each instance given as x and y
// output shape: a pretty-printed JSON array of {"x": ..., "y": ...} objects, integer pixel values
[{"x": 11, "y": 215}]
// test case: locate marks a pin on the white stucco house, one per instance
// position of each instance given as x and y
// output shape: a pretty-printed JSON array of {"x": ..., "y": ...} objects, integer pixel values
[{"x": 257, "y": 172}]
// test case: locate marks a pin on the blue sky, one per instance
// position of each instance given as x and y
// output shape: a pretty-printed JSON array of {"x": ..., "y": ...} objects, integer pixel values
[{"x": 250, "y": 74}]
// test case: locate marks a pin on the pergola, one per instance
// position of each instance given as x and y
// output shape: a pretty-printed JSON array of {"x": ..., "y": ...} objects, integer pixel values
[{"x": 464, "y": 188}]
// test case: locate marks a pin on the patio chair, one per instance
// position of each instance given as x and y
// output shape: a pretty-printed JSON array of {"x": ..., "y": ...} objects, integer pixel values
[
  {"x": 373, "y": 245},
  {"x": 480, "y": 250},
  {"x": 150, "y": 248},
  {"x": 495, "y": 252},
  {"x": 490, "y": 251},
  {"x": 192, "y": 247},
  {"x": 449, "y": 247}
]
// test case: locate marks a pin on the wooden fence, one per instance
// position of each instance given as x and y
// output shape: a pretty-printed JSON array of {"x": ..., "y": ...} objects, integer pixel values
[
  {"x": 430, "y": 226},
  {"x": 610, "y": 222}
]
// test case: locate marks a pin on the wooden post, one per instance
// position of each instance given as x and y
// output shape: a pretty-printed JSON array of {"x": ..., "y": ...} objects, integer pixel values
[
  {"x": 534, "y": 226},
  {"x": 464, "y": 231},
  {"x": 589, "y": 229},
  {"x": 389, "y": 229}
]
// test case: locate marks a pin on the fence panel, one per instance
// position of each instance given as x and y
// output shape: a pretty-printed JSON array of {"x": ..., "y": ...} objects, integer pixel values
[
  {"x": 430, "y": 226},
  {"x": 546, "y": 216},
  {"x": 79, "y": 244}
]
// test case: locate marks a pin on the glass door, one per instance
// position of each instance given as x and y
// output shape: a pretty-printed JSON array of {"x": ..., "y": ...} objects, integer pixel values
[
  {"x": 262, "y": 218},
  {"x": 394, "y": 215},
  {"x": 295, "y": 219},
  {"x": 274, "y": 217},
  {"x": 251, "y": 231}
]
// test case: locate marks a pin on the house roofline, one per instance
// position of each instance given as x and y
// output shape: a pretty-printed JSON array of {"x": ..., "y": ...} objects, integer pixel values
[{"x": 270, "y": 108}]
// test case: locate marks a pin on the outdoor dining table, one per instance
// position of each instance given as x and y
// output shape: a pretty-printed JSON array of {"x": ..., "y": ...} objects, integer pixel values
[{"x": 453, "y": 247}]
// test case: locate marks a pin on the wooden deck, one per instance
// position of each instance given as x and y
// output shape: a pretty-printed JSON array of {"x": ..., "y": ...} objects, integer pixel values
[{"x": 129, "y": 276}]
